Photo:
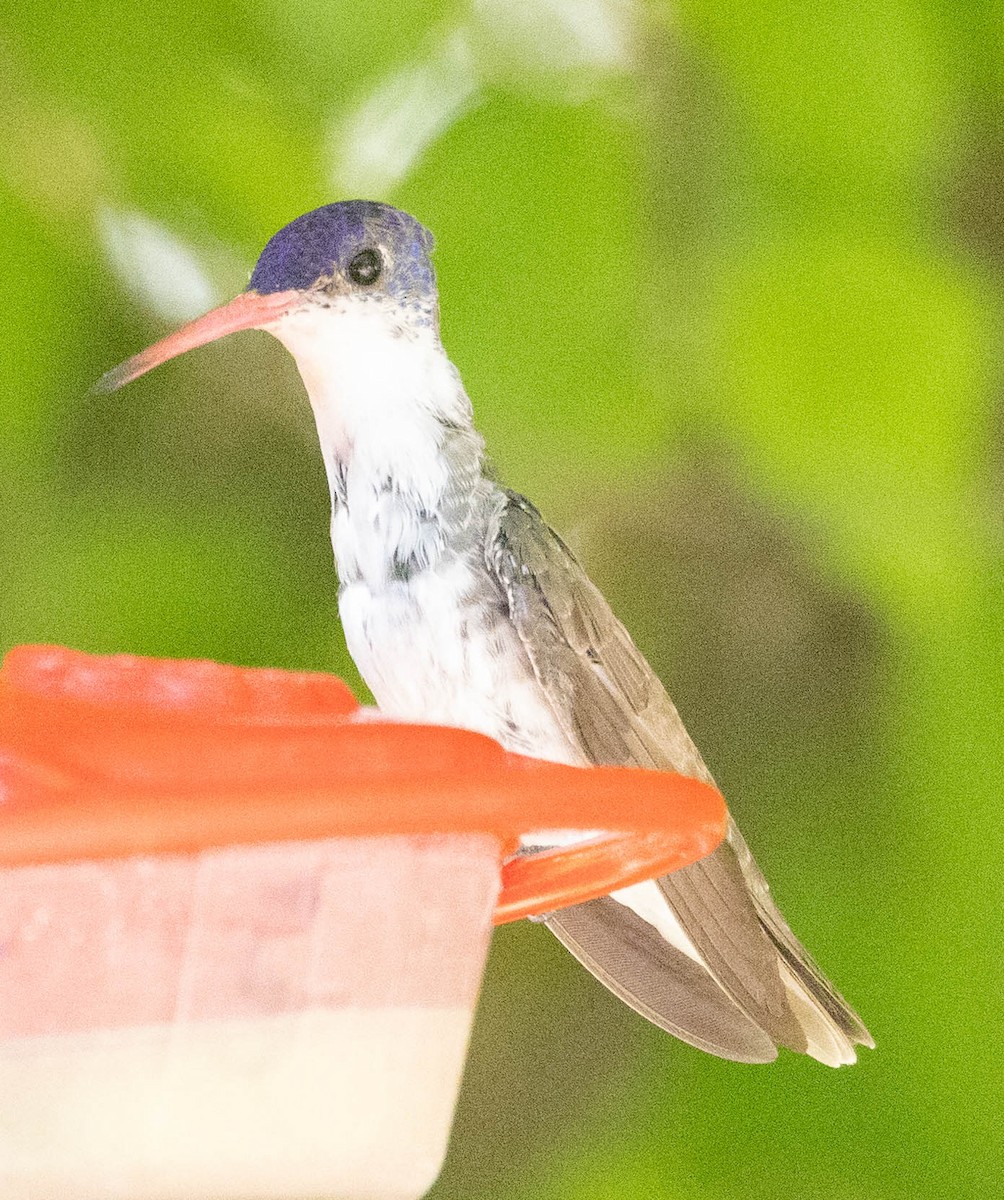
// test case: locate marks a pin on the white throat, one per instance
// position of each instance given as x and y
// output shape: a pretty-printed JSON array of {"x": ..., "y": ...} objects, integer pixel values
[
  {"x": 395, "y": 426},
  {"x": 382, "y": 390}
]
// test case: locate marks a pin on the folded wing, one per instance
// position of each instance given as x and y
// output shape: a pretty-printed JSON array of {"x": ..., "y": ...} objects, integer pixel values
[{"x": 704, "y": 952}]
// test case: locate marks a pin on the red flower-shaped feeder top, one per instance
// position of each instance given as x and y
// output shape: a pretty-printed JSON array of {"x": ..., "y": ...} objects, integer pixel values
[{"x": 120, "y": 756}]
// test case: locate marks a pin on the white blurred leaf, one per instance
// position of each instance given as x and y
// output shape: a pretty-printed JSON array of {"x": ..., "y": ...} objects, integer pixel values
[
  {"x": 155, "y": 265},
  {"x": 381, "y": 140},
  {"x": 557, "y": 36}
]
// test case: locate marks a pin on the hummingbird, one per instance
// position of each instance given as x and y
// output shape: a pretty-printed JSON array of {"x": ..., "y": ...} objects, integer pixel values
[{"x": 461, "y": 606}]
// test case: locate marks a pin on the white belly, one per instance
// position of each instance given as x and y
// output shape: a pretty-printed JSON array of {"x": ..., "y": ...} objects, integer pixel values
[{"x": 431, "y": 651}]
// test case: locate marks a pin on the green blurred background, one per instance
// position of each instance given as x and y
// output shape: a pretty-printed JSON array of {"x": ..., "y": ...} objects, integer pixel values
[{"x": 724, "y": 283}]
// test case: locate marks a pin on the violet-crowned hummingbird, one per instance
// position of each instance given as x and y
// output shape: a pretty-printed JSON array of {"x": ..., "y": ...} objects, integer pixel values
[{"x": 462, "y": 607}]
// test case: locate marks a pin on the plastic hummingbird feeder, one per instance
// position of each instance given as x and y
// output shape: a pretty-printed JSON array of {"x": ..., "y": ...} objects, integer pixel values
[{"x": 243, "y": 923}]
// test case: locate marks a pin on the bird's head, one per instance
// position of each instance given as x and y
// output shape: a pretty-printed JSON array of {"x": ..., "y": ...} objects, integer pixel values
[
  {"x": 335, "y": 257},
  {"x": 357, "y": 248}
]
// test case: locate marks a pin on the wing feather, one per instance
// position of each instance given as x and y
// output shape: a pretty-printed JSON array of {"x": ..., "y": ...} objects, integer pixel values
[{"x": 753, "y": 985}]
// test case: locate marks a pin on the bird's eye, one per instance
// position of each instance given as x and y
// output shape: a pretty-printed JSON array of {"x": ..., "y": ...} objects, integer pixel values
[{"x": 366, "y": 266}]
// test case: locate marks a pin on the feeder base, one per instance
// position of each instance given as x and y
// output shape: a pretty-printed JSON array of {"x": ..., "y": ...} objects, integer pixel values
[{"x": 333, "y": 1104}]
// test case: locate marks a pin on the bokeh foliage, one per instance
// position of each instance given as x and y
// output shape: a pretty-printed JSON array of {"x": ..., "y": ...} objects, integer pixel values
[{"x": 724, "y": 282}]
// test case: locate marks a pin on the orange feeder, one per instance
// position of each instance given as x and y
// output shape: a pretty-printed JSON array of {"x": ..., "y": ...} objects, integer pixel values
[{"x": 243, "y": 923}]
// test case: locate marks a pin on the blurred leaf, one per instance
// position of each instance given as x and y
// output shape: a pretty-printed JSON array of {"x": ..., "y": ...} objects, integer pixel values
[
  {"x": 539, "y": 242},
  {"x": 41, "y": 326},
  {"x": 853, "y": 378},
  {"x": 844, "y": 106},
  {"x": 119, "y": 578}
]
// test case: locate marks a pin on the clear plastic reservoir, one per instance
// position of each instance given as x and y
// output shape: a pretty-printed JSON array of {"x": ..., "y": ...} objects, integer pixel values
[{"x": 280, "y": 1020}]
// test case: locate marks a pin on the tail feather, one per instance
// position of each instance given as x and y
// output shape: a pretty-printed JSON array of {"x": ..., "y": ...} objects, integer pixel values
[
  {"x": 801, "y": 964},
  {"x": 713, "y": 903},
  {"x": 658, "y": 981},
  {"x": 705, "y": 954}
]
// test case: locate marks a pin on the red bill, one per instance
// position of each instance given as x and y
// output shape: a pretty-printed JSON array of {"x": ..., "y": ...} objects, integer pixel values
[{"x": 249, "y": 310}]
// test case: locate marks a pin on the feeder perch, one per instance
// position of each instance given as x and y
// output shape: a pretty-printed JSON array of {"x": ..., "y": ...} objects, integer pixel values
[{"x": 243, "y": 923}]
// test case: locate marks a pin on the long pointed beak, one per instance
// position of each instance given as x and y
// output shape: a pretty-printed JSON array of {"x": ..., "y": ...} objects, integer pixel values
[{"x": 249, "y": 310}]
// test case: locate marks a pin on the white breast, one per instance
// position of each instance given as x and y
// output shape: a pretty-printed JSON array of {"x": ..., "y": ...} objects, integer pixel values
[
  {"x": 429, "y": 638},
  {"x": 430, "y": 652}
]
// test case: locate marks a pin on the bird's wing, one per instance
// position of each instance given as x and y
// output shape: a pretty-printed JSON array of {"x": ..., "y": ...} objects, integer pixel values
[{"x": 703, "y": 952}]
